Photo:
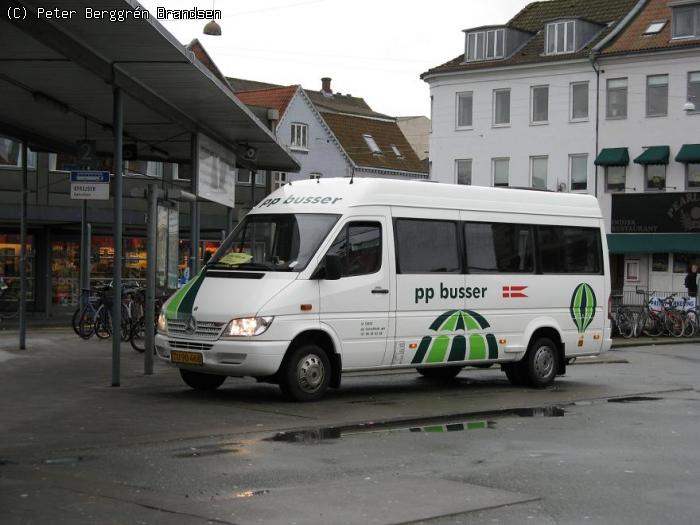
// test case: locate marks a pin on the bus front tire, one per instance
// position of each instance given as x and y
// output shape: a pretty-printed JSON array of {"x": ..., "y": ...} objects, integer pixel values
[
  {"x": 442, "y": 374},
  {"x": 306, "y": 373},
  {"x": 541, "y": 362},
  {"x": 200, "y": 381}
]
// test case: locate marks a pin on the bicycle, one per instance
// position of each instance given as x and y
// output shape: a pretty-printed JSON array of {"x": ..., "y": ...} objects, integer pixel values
[
  {"x": 138, "y": 333},
  {"x": 623, "y": 321}
]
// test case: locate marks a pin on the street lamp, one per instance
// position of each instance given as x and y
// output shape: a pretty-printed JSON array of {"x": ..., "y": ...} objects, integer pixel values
[{"x": 212, "y": 28}]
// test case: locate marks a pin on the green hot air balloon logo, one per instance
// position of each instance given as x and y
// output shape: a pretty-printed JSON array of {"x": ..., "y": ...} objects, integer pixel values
[
  {"x": 583, "y": 305},
  {"x": 451, "y": 346}
]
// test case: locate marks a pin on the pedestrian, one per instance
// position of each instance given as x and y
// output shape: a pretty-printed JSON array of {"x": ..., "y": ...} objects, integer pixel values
[{"x": 691, "y": 281}]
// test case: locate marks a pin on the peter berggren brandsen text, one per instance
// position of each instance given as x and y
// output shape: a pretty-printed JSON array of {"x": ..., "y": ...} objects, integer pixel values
[{"x": 124, "y": 15}]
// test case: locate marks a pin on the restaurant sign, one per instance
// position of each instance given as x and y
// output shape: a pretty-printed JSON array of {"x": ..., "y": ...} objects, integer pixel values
[{"x": 656, "y": 213}]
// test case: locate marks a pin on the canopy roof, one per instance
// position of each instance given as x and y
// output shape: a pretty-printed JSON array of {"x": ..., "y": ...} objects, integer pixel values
[
  {"x": 613, "y": 157},
  {"x": 689, "y": 154},
  {"x": 654, "y": 155},
  {"x": 654, "y": 242},
  {"x": 58, "y": 75}
]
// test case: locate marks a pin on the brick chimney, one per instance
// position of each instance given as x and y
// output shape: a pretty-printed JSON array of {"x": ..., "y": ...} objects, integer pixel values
[{"x": 326, "y": 86}]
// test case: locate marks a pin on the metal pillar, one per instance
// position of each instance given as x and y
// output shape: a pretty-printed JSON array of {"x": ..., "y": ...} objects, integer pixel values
[
  {"x": 84, "y": 255},
  {"x": 151, "y": 241},
  {"x": 118, "y": 124},
  {"x": 194, "y": 209},
  {"x": 23, "y": 254}
]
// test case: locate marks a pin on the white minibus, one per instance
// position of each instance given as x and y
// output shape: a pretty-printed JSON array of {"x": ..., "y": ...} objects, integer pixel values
[{"x": 336, "y": 275}]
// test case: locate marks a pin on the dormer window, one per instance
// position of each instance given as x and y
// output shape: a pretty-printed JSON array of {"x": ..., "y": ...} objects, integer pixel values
[
  {"x": 686, "y": 21},
  {"x": 372, "y": 144},
  {"x": 561, "y": 37},
  {"x": 396, "y": 151},
  {"x": 485, "y": 45}
]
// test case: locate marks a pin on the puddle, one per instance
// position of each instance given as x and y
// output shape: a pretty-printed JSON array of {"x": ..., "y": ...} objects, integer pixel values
[
  {"x": 207, "y": 450},
  {"x": 455, "y": 423},
  {"x": 632, "y": 399},
  {"x": 251, "y": 493},
  {"x": 68, "y": 460},
  {"x": 5, "y": 462}
]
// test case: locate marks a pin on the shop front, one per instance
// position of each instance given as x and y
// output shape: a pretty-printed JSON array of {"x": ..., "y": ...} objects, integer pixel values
[{"x": 654, "y": 240}]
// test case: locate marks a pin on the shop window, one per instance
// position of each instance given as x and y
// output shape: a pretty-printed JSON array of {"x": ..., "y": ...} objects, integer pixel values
[
  {"x": 632, "y": 271},
  {"x": 692, "y": 175},
  {"x": 659, "y": 262},
  {"x": 683, "y": 261},
  {"x": 655, "y": 177},
  {"x": 65, "y": 272},
  {"x": 10, "y": 265},
  {"x": 615, "y": 178}
]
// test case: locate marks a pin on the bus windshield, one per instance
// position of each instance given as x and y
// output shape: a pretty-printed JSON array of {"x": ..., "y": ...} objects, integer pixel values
[{"x": 273, "y": 243}]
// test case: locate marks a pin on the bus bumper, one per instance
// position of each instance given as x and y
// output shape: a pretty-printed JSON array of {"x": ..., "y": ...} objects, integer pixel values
[{"x": 224, "y": 357}]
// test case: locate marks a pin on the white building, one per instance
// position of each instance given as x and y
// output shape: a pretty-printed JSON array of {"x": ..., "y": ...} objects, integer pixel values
[{"x": 564, "y": 86}]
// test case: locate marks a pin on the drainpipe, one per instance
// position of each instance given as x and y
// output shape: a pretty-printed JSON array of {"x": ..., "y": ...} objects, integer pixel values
[{"x": 593, "y": 57}]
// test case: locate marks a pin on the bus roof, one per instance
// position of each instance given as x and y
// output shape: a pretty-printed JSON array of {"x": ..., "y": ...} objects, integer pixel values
[{"x": 337, "y": 195}]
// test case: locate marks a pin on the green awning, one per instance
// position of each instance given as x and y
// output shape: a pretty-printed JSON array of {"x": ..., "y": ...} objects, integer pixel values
[
  {"x": 654, "y": 242},
  {"x": 613, "y": 157},
  {"x": 654, "y": 155},
  {"x": 689, "y": 154}
]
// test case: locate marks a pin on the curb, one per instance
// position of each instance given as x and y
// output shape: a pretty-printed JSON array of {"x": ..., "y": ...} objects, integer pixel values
[{"x": 653, "y": 341}]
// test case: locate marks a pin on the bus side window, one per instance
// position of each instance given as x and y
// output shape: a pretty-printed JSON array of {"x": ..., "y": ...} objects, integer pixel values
[{"x": 359, "y": 246}]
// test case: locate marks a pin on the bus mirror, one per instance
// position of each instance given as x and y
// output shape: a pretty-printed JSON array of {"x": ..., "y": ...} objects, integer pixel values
[{"x": 333, "y": 267}]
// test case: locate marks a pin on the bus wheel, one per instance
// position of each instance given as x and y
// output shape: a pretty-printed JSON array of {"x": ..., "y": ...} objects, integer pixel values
[
  {"x": 443, "y": 373},
  {"x": 306, "y": 373},
  {"x": 200, "y": 381},
  {"x": 541, "y": 362},
  {"x": 516, "y": 373}
]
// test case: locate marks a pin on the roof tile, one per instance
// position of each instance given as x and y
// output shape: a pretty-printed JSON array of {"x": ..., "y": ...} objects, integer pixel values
[{"x": 276, "y": 98}]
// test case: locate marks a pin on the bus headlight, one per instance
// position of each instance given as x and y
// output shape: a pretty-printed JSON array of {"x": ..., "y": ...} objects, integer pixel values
[
  {"x": 247, "y": 326},
  {"x": 162, "y": 323}
]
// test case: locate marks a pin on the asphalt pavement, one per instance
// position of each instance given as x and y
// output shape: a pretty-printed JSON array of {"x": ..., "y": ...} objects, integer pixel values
[{"x": 613, "y": 441}]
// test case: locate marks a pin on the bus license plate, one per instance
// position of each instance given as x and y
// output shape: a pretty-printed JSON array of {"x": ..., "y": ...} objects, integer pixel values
[{"x": 186, "y": 358}]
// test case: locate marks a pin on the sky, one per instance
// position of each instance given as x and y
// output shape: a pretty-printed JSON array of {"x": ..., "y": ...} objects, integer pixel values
[{"x": 375, "y": 49}]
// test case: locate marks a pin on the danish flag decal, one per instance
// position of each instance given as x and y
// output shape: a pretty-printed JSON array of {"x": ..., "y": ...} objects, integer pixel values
[{"x": 512, "y": 292}]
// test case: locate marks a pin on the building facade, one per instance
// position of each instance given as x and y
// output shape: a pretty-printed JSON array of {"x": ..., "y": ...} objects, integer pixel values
[{"x": 548, "y": 99}]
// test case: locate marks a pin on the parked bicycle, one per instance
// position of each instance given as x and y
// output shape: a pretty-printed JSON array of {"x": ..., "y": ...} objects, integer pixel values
[{"x": 9, "y": 301}]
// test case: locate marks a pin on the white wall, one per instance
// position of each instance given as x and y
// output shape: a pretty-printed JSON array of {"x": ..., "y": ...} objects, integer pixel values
[
  {"x": 323, "y": 155},
  {"x": 557, "y": 139}
]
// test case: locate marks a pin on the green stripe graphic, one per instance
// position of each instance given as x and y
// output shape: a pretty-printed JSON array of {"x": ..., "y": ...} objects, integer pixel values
[{"x": 439, "y": 349}]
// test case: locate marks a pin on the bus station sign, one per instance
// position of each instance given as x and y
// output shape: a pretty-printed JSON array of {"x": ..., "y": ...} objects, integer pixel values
[{"x": 89, "y": 185}]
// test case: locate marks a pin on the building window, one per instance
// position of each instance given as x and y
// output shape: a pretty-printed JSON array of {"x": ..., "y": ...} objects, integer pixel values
[
  {"x": 692, "y": 176},
  {"x": 632, "y": 271},
  {"x": 485, "y": 45},
  {"x": 260, "y": 178},
  {"x": 11, "y": 154},
  {"x": 579, "y": 101},
  {"x": 617, "y": 98},
  {"x": 538, "y": 172},
  {"x": 501, "y": 107},
  {"x": 463, "y": 168},
  {"x": 396, "y": 151},
  {"x": 372, "y": 144},
  {"x": 279, "y": 179},
  {"x": 659, "y": 262},
  {"x": 540, "y": 105},
  {"x": 300, "y": 135},
  {"x": 243, "y": 177},
  {"x": 655, "y": 28},
  {"x": 694, "y": 90},
  {"x": 500, "y": 167},
  {"x": 655, "y": 177},
  {"x": 560, "y": 37},
  {"x": 578, "y": 172},
  {"x": 315, "y": 176},
  {"x": 465, "y": 109},
  {"x": 657, "y": 95},
  {"x": 686, "y": 22},
  {"x": 615, "y": 178}
]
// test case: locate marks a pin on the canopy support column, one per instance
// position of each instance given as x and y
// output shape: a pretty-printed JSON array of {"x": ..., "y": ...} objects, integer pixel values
[{"x": 118, "y": 124}]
